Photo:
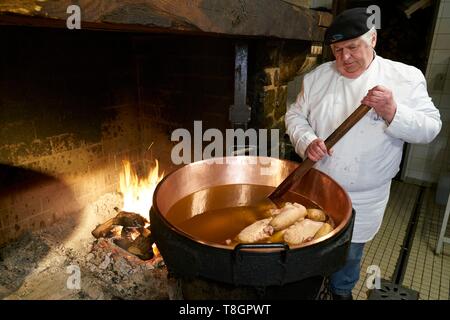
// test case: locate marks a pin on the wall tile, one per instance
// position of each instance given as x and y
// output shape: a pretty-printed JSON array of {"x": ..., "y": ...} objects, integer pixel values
[
  {"x": 420, "y": 151},
  {"x": 433, "y": 69},
  {"x": 442, "y": 41},
  {"x": 440, "y": 56},
  {"x": 443, "y": 26},
  {"x": 418, "y": 164},
  {"x": 436, "y": 75},
  {"x": 414, "y": 174},
  {"x": 445, "y": 10}
]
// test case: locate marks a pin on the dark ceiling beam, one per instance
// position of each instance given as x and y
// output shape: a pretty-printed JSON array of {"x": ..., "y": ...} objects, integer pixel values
[{"x": 260, "y": 18}]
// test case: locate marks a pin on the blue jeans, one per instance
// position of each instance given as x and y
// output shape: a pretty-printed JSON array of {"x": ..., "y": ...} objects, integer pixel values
[{"x": 344, "y": 280}]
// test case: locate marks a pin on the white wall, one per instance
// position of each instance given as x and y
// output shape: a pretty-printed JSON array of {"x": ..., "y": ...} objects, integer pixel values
[{"x": 428, "y": 162}]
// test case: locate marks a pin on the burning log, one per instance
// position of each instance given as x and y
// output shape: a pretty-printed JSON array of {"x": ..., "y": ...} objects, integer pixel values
[
  {"x": 123, "y": 243},
  {"x": 142, "y": 247},
  {"x": 123, "y": 218},
  {"x": 131, "y": 232},
  {"x": 102, "y": 230},
  {"x": 145, "y": 232},
  {"x": 130, "y": 219}
]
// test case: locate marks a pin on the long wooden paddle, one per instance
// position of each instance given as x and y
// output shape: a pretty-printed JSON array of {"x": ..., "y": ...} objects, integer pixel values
[{"x": 307, "y": 164}]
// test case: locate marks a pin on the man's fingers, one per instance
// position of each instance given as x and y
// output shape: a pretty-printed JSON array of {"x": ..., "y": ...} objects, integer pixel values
[
  {"x": 368, "y": 101},
  {"x": 317, "y": 150},
  {"x": 322, "y": 148},
  {"x": 376, "y": 96},
  {"x": 318, "y": 153},
  {"x": 377, "y": 93},
  {"x": 313, "y": 158},
  {"x": 313, "y": 155},
  {"x": 375, "y": 99},
  {"x": 371, "y": 99},
  {"x": 379, "y": 88}
]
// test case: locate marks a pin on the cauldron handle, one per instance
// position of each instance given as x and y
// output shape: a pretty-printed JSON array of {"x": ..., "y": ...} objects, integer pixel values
[
  {"x": 238, "y": 255},
  {"x": 258, "y": 246},
  {"x": 243, "y": 246}
]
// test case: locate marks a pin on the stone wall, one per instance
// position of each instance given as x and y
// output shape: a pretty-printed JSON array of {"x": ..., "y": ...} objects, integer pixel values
[{"x": 278, "y": 62}]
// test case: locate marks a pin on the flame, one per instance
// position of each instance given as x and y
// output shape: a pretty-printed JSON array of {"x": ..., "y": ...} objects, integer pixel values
[
  {"x": 137, "y": 192},
  {"x": 155, "y": 250}
]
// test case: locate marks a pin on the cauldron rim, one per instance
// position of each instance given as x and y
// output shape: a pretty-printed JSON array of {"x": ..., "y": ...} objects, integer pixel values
[{"x": 337, "y": 230}]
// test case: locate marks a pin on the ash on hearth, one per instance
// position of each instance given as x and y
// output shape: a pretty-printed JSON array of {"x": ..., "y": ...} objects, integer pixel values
[{"x": 66, "y": 262}]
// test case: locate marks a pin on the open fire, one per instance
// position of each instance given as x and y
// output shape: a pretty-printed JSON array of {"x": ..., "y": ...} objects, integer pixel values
[
  {"x": 130, "y": 228},
  {"x": 138, "y": 192}
]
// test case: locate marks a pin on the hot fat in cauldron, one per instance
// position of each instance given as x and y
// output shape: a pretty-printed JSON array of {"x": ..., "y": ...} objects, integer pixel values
[{"x": 257, "y": 265}]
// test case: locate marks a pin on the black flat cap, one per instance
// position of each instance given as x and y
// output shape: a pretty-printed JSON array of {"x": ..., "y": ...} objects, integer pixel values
[{"x": 349, "y": 24}]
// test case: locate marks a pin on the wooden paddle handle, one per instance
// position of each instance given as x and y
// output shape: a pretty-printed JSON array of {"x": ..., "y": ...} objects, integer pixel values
[
  {"x": 346, "y": 125},
  {"x": 307, "y": 164}
]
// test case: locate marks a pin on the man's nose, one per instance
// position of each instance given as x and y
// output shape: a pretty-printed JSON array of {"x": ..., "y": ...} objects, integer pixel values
[{"x": 346, "y": 54}]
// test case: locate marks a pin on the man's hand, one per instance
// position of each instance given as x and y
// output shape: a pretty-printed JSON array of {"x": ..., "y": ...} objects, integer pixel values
[
  {"x": 317, "y": 150},
  {"x": 382, "y": 101}
]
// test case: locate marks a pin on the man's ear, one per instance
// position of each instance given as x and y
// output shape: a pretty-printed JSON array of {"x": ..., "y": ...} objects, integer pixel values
[{"x": 374, "y": 39}]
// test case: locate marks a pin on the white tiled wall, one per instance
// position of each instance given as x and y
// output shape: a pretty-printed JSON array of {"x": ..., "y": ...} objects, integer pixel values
[{"x": 429, "y": 162}]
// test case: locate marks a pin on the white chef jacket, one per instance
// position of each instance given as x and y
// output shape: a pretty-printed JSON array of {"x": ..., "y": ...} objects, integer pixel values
[{"x": 368, "y": 156}]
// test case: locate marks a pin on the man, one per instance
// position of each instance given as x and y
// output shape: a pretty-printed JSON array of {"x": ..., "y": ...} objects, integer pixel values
[{"x": 366, "y": 159}]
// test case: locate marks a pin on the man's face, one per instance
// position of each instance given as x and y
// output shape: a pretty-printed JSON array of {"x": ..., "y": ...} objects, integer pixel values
[{"x": 353, "y": 56}]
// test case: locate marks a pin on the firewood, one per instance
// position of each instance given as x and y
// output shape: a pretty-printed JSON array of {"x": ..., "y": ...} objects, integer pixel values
[
  {"x": 142, "y": 247},
  {"x": 123, "y": 243},
  {"x": 123, "y": 218},
  {"x": 103, "y": 229},
  {"x": 130, "y": 233},
  {"x": 130, "y": 219},
  {"x": 145, "y": 232}
]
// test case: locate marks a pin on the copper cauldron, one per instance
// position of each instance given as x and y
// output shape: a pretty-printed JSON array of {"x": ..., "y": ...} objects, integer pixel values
[{"x": 255, "y": 264}]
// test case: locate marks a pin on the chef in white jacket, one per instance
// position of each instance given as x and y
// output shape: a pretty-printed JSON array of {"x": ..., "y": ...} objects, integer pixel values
[{"x": 366, "y": 159}]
